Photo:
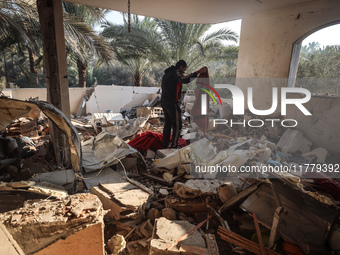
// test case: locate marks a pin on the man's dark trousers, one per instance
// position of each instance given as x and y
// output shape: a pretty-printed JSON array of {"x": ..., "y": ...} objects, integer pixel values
[{"x": 173, "y": 120}]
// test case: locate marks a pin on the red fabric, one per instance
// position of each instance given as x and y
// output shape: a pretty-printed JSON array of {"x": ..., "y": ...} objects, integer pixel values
[
  {"x": 325, "y": 184},
  {"x": 153, "y": 141},
  {"x": 202, "y": 121}
]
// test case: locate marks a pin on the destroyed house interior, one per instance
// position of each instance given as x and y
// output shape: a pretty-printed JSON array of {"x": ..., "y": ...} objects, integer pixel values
[{"x": 84, "y": 170}]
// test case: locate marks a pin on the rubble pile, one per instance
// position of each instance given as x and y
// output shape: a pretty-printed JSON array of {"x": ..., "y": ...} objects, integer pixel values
[{"x": 228, "y": 190}]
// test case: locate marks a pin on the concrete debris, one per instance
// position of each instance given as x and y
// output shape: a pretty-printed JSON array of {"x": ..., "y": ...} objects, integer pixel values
[
  {"x": 168, "y": 231},
  {"x": 197, "y": 188},
  {"x": 49, "y": 226},
  {"x": 294, "y": 140},
  {"x": 163, "y": 192},
  {"x": 104, "y": 150},
  {"x": 49, "y": 189},
  {"x": 63, "y": 178},
  {"x": 43, "y": 188},
  {"x": 116, "y": 244},
  {"x": 105, "y": 119},
  {"x": 126, "y": 128},
  {"x": 122, "y": 198},
  {"x": 174, "y": 159},
  {"x": 8, "y": 245},
  {"x": 150, "y": 112}
]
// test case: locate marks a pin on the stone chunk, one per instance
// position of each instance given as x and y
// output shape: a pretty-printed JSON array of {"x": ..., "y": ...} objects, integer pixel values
[
  {"x": 168, "y": 231},
  {"x": 52, "y": 227}
]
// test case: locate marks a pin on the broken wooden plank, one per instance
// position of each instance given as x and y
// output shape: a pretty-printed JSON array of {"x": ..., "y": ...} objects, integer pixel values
[
  {"x": 244, "y": 243},
  {"x": 239, "y": 197}
]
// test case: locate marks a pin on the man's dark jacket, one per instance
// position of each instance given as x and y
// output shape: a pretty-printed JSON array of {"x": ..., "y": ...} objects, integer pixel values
[{"x": 172, "y": 84}]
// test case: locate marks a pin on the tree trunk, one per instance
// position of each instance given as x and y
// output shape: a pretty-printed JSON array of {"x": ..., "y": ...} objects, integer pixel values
[
  {"x": 81, "y": 73},
  {"x": 6, "y": 72},
  {"x": 14, "y": 73},
  {"x": 33, "y": 67},
  {"x": 137, "y": 79}
]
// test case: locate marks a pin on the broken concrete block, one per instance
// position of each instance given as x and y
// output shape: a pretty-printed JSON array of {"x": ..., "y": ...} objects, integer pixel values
[
  {"x": 196, "y": 188},
  {"x": 167, "y": 232},
  {"x": 116, "y": 244},
  {"x": 168, "y": 176},
  {"x": 294, "y": 140},
  {"x": 52, "y": 227},
  {"x": 163, "y": 192},
  {"x": 8, "y": 245},
  {"x": 169, "y": 214},
  {"x": 165, "y": 152},
  {"x": 189, "y": 136},
  {"x": 319, "y": 153},
  {"x": 49, "y": 189},
  {"x": 174, "y": 159},
  {"x": 124, "y": 199},
  {"x": 128, "y": 128},
  {"x": 63, "y": 178}
]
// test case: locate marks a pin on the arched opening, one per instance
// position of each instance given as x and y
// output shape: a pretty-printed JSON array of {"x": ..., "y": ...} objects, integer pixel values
[{"x": 315, "y": 61}]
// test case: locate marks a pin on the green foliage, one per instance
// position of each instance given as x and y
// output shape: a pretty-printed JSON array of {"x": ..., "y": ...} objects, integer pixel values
[
  {"x": 318, "y": 69},
  {"x": 155, "y": 42}
]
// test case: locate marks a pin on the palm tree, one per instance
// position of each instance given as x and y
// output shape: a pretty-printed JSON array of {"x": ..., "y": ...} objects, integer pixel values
[
  {"x": 193, "y": 43},
  {"x": 131, "y": 48},
  {"x": 18, "y": 23},
  {"x": 161, "y": 42},
  {"x": 20, "y": 28},
  {"x": 82, "y": 42}
]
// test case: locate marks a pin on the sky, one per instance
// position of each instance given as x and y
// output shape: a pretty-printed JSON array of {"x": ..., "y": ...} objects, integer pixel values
[{"x": 326, "y": 36}]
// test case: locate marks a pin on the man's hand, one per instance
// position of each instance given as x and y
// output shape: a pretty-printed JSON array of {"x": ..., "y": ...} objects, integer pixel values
[{"x": 202, "y": 70}]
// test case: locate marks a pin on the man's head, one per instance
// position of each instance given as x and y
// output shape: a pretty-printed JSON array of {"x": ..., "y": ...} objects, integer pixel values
[{"x": 181, "y": 66}]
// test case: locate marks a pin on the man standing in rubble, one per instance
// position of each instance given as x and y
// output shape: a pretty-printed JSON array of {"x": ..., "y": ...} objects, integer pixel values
[{"x": 172, "y": 82}]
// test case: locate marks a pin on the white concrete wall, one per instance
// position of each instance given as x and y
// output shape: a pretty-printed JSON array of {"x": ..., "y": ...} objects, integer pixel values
[
  {"x": 266, "y": 44},
  {"x": 76, "y": 95},
  {"x": 117, "y": 98},
  {"x": 322, "y": 128}
]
